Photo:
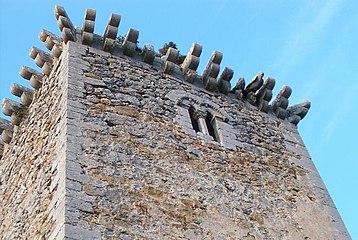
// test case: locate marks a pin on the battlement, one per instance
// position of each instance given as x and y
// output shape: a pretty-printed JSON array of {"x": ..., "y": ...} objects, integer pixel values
[{"x": 258, "y": 92}]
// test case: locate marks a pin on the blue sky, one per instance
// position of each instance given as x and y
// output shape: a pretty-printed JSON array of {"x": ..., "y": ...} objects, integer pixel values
[{"x": 310, "y": 45}]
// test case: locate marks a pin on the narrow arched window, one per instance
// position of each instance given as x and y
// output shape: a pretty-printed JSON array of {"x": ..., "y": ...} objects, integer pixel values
[
  {"x": 194, "y": 121},
  {"x": 210, "y": 126}
]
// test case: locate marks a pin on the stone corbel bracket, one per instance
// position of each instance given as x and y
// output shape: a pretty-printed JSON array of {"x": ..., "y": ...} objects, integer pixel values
[
  {"x": 224, "y": 85},
  {"x": 33, "y": 76},
  {"x": 25, "y": 94},
  {"x": 88, "y": 27},
  {"x": 280, "y": 103},
  {"x": 170, "y": 60},
  {"x": 148, "y": 53},
  {"x": 64, "y": 23},
  {"x": 191, "y": 63},
  {"x": 130, "y": 42},
  {"x": 6, "y": 130},
  {"x": 264, "y": 94},
  {"x": 238, "y": 90},
  {"x": 42, "y": 59},
  {"x": 14, "y": 110},
  {"x": 110, "y": 34},
  {"x": 298, "y": 111},
  {"x": 211, "y": 71},
  {"x": 254, "y": 85},
  {"x": 51, "y": 42}
]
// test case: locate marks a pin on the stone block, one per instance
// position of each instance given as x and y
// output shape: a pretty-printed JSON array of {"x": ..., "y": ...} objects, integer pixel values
[
  {"x": 9, "y": 106},
  {"x": 75, "y": 232},
  {"x": 130, "y": 42},
  {"x": 183, "y": 121},
  {"x": 148, "y": 53},
  {"x": 73, "y": 185},
  {"x": 77, "y": 176},
  {"x": 80, "y": 195},
  {"x": 224, "y": 85},
  {"x": 77, "y": 203}
]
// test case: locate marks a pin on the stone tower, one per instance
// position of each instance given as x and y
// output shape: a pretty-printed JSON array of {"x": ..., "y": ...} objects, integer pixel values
[{"x": 118, "y": 142}]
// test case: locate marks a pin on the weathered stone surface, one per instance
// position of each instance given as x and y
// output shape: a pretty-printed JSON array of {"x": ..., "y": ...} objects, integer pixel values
[
  {"x": 280, "y": 103},
  {"x": 9, "y": 106},
  {"x": 130, "y": 42},
  {"x": 255, "y": 83},
  {"x": 110, "y": 33},
  {"x": 298, "y": 111},
  {"x": 88, "y": 27},
  {"x": 224, "y": 85},
  {"x": 108, "y": 152},
  {"x": 192, "y": 59},
  {"x": 27, "y": 180},
  {"x": 64, "y": 22},
  {"x": 143, "y": 175},
  {"x": 211, "y": 71}
]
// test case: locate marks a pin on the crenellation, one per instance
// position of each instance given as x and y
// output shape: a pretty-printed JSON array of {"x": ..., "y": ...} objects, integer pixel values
[{"x": 256, "y": 92}]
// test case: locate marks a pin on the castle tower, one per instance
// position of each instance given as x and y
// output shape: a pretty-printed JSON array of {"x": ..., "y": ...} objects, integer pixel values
[{"x": 117, "y": 142}]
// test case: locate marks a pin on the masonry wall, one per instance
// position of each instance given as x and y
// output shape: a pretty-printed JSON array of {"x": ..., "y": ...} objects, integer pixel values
[
  {"x": 133, "y": 170},
  {"x": 32, "y": 205}
]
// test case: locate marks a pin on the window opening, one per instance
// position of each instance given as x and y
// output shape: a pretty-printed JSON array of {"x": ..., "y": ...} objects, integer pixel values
[
  {"x": 194, "y": 122},
  {"x": 209, "y": 125}
]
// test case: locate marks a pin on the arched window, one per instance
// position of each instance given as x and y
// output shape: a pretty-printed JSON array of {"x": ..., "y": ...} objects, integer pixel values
[
  {"x": 194, "y": 121},
  {"x": 203, "y": 118},
  {"x": 204, "y": 122}
]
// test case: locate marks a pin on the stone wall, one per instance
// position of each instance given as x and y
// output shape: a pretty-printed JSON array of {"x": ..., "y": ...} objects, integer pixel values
[
  {"x": 32, "y": 204},
  {"x": 134, "y": 172},
  {"x": 123, "y": 144}
]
